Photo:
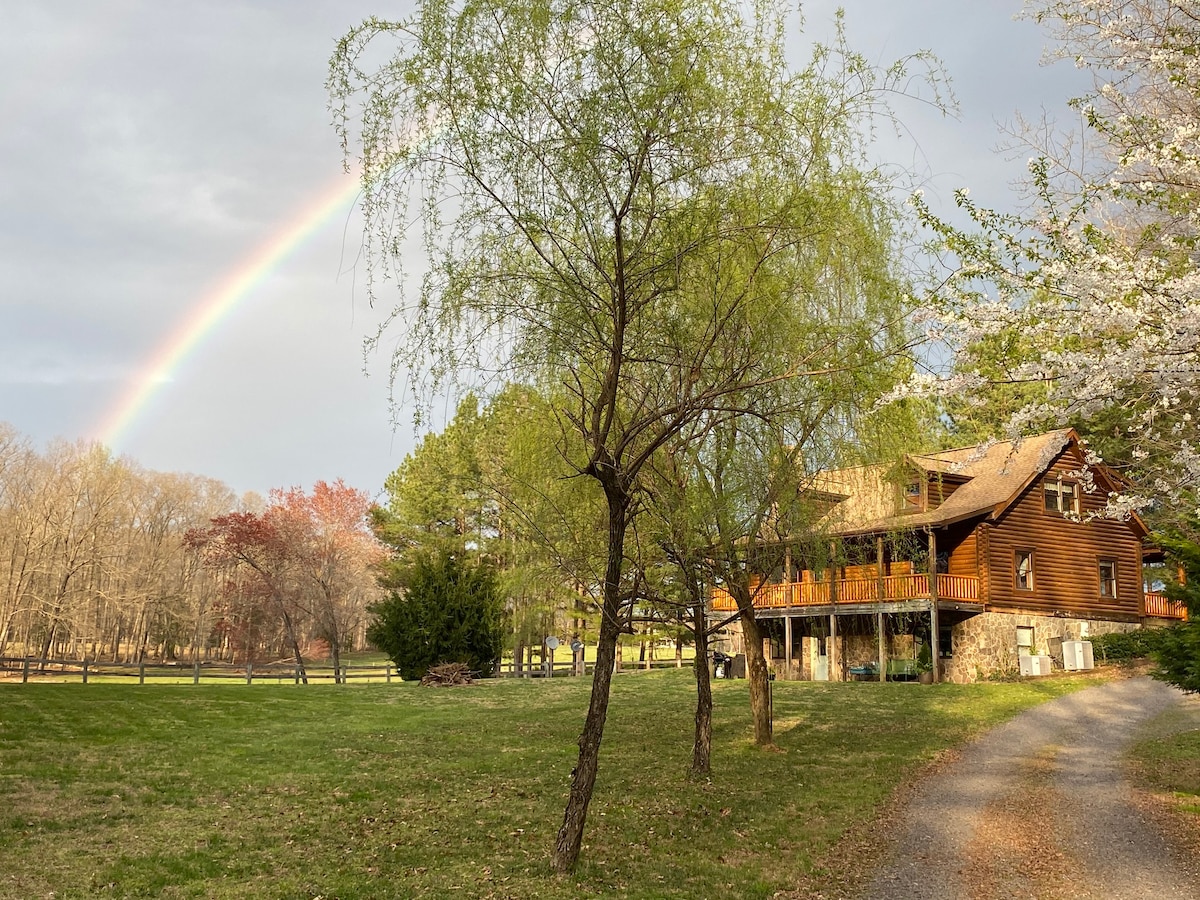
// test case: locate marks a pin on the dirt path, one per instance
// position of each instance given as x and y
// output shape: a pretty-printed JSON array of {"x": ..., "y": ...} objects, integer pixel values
[{"x": 1040, "y": 808}]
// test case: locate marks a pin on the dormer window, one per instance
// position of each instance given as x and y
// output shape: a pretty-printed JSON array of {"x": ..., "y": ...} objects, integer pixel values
[
  {"x": 1062, "y": 497},
  {"x": 912, "y": 495}
]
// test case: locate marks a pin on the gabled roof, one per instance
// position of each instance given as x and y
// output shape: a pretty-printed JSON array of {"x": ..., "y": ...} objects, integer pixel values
[{"x": 990, "y": 479}]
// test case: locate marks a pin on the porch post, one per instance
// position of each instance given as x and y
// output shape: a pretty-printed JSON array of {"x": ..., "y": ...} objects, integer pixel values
[
  {"x": 882, "y": 647},
  {"x": 879, "y": 566},
  {"x": 787, "y": 575},
  {"x": 787, "y": 646},
  {"x": 935, "y": 642},
  {"x": 833, "y": 572},
  {"x": 835, "y": 654},
  {"x": 879, "y": 615}
]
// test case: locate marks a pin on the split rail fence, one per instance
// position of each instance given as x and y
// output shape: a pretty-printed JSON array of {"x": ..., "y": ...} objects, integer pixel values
[{"x": 26, "y": 669}]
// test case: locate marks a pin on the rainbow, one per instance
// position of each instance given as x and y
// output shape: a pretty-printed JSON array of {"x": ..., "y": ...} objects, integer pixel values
[{"x": 208, "y": 313}]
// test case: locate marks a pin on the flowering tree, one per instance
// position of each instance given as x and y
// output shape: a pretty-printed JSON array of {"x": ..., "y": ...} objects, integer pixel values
[
  {"x": 312, "y": 556},
  {"x": 1097, "y": 287},
  {"x": 328, "y": 539},
  {"x": 240, "y": 543}
]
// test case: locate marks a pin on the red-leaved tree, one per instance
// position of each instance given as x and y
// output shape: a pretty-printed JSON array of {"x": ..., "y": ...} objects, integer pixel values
[{"x": 313, "y": 556}]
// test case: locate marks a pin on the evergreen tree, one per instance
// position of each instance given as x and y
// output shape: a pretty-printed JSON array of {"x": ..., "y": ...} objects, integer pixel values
[
  {"x": 443, "y": 609},
  {"x": 1178, "y": 656}
]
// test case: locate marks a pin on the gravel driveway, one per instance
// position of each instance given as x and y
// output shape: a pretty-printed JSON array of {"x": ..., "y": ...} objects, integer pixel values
[{"x": 1039, "y": 807}]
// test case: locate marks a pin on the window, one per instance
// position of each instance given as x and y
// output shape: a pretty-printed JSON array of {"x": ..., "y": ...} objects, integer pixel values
[
  {"x": 1024, "y": 640},
  {"x": 1108, "y": 578},
  {"x": 1023, "y": 570},
  {"x": 1062, "y": 496},
  {"x": 912, "y": 495}
]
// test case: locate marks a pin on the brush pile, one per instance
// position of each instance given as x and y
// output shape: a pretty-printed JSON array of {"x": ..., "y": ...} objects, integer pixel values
[{"x": 447, "y": 674}]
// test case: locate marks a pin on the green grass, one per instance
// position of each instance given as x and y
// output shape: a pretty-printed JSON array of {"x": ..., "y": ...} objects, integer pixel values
[
  {"x": 1167, "y": 760},
  {"x": 377, "y": 791}
]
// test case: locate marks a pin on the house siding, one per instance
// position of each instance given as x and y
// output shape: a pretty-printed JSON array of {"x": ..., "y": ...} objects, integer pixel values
[
  {"x": 938, "y": 490},
  {"x": 1066, "y": 556},
  {"x": 964, "y": 558}
]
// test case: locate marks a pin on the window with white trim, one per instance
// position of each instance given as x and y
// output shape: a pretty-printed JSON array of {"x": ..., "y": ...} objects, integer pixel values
[
  {"x": 1061, "y": 496},
  {"x": 1108, "y": 579},
  {"x": 1023, "y": 570}
]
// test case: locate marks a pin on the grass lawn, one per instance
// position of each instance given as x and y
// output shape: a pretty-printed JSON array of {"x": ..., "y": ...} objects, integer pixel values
[
  {"x": 378, "y": 791},
  {"x": 1167, "y": 762}
]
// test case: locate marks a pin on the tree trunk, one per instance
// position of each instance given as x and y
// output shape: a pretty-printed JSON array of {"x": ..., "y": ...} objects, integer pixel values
[
  {"x": 756, "y": 672},
  {"x": 291, "y": 636},
  {"x": 48, "y": 643},
  {"x": 583, "y": 777},
  {"x": 702, "y": 747},
  {"x": 335, "y": 650}
]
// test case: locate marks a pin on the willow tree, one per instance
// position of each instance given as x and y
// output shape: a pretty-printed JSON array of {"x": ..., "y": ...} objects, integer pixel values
[{"x": 616, "y": 201}]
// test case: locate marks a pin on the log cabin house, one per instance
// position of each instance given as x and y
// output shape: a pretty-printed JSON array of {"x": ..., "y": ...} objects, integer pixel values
[{"x": 995, "y": 550}]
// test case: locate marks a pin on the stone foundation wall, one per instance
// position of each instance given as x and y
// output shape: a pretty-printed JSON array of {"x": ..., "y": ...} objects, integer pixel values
[{"x": 985, "y": 645}]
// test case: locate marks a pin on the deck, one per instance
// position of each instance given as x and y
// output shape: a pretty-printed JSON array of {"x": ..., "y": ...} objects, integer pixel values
[
  {"x": 855, "y": 592},
  {"x": 1159, "y": 606},
  {"x": 888, "y": 593}
]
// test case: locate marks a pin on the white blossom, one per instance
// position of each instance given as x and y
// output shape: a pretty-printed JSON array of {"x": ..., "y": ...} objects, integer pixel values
[{"x": 1101, "y": 281}]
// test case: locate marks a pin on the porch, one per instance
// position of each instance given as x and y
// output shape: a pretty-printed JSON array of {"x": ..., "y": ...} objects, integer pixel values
[
  {"x": 1158, "y": 606},
  {"x": 860, "y": 591}
]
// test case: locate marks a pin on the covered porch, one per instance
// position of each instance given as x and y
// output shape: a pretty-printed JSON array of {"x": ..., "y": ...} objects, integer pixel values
[
  {"x": 897, "y": 584},
  {"x": 868, "y": 588}
]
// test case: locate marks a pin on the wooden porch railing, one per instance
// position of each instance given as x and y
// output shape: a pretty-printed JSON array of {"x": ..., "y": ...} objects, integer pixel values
[
  {"x": 1159, "y": 606},
  {"x": 854, "y": 590}
]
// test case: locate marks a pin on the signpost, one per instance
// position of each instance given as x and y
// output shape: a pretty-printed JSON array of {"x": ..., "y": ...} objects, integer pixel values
[{"x": 551, "y": 643}]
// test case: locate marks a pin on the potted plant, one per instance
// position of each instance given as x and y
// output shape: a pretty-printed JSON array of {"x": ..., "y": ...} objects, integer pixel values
[{"x": 925, "y": 664}]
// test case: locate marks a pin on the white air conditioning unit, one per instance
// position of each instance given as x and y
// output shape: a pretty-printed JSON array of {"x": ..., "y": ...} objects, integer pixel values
[
  {"x": 1035, "y": 665},
  {"x": 1077, "y": 655}
]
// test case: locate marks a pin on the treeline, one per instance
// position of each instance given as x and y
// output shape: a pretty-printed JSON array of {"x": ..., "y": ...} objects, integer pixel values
[{"x": 103, "y": 559}]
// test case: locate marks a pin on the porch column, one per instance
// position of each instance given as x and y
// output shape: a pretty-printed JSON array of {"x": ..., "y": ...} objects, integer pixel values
[
  {"x": 787, "y": 646},
  {"x": 882, "y": 647},
  {"x": 934, "y": 640},
  {"x": 787, "y": 575},
  {"x": 879, "y": 616},
  {"x": 879, "y": 566},
  {"x": 835, "y": 655}
]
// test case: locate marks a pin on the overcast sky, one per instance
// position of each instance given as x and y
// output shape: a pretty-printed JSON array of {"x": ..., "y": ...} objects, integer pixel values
[{"x": 152, "y": 151}]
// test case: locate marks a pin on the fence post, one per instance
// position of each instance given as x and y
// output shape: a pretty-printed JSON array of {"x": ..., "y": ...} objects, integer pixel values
[
  {"x": 25, "y": 672},
  {"x": 85, "y": 671},
  {"x": 388, "y": 669},
  {"x": 141, "y": 673},
  {"x": 196, "y": 672},
  {"x": 249, "y": 672}
]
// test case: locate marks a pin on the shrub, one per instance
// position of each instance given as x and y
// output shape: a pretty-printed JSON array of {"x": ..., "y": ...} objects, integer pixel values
[
  {"x": 448, "y": 610},
  {"x": 1178, "y": 656},
  {"x": 1123, "y": 647}
]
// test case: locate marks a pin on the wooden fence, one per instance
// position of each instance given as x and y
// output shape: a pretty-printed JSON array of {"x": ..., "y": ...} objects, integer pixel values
[{"x": 26, "y": 669}]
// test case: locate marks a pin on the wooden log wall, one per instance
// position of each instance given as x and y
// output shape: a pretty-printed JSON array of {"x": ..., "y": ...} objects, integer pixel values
[{"x": 1066, "y": 555}]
